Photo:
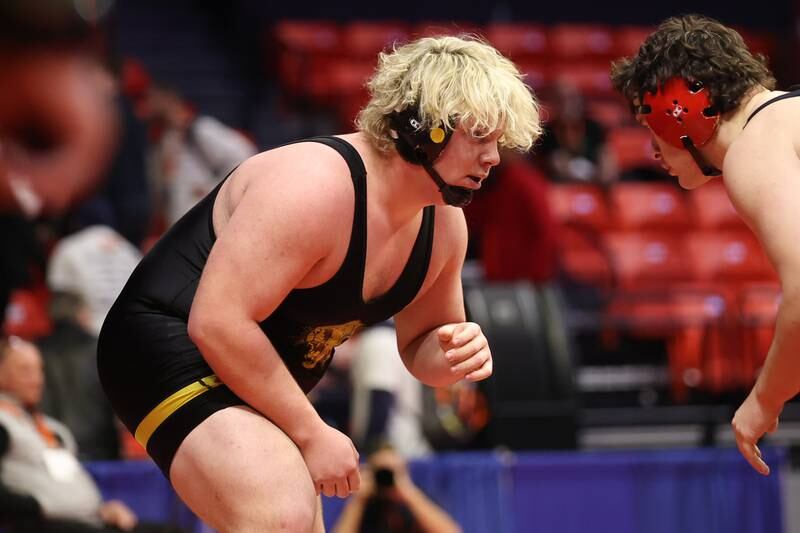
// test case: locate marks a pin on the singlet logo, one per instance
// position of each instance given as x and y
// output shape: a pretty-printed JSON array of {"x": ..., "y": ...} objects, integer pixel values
[{"x": 321, "y": 341}]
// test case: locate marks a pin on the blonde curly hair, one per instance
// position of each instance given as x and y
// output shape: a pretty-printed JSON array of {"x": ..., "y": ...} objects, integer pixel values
[{"x": 454, "y": 82}]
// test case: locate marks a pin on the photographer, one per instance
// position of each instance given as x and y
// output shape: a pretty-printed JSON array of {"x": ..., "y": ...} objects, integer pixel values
[{"x": 389, "y": 502}]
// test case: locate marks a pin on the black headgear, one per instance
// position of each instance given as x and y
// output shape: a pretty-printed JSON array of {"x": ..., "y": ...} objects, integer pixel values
[{"x": 422, "y": 146}]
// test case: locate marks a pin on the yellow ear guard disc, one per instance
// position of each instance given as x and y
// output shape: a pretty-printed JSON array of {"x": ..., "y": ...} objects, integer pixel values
[{"x": 437, "y": 135}]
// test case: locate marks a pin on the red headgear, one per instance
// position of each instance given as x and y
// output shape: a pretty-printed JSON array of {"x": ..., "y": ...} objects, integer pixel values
[{"x": 680, "y": 109}]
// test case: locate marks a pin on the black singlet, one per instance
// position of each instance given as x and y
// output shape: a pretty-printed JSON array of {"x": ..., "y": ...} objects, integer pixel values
[
  {"x": 156, "y": 378},
  {"x": 790, "y": 94},
  {"x": 309, "y": 323}
]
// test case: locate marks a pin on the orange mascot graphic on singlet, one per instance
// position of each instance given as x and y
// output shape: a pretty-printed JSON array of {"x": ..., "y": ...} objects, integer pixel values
[{"x": 321, "y": 341}]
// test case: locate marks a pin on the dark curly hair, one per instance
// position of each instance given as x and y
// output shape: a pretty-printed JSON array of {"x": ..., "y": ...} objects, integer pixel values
[{"x": 696, "y": 48}]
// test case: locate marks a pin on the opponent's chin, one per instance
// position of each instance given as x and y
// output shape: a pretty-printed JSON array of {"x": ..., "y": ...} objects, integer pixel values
[{"x": 693, "y": 181}]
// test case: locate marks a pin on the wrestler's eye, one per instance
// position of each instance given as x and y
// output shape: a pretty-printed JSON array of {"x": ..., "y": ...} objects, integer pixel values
[
  {"x": 695, "y": 87},
  {"x": 484, "y": 136}
]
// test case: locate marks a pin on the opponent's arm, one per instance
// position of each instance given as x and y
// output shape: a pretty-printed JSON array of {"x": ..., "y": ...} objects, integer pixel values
[{"x": 762, "y": 181}]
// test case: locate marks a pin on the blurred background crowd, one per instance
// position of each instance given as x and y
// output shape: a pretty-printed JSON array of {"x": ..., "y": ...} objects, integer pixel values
[{"x": 624, "y": 313}]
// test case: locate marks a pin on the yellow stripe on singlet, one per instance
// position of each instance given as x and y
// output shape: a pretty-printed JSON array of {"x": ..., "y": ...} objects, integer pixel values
[{"x": 174, "y": 402}]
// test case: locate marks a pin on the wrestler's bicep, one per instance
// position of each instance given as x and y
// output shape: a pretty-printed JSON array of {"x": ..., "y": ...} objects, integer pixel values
[{"x": 273, "y": 238}]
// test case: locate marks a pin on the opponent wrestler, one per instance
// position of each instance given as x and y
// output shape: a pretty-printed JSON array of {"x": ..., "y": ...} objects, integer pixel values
[
  {"x": 712, "y": 109},
  {"x": 233, "y": 316}
]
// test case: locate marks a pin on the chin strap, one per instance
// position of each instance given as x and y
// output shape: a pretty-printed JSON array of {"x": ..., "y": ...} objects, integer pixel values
[
  {"x": 455, "y": 196},
  {"x": 707, "y": 168}
]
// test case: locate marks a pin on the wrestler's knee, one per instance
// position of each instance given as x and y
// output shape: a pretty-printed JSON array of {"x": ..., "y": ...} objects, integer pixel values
[{"x": 286, "y": 517}]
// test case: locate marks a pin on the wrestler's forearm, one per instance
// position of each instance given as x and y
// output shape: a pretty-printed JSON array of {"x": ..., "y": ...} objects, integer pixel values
[
  {"x": 247, "y": 362},
  {"x": 425, "y": 360},
  {"x": 779, "y": 380}
]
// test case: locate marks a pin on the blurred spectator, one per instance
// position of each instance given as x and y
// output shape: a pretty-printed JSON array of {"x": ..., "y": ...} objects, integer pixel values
[
  {"x": 73, "y": 394},
  {"x": 511, "y": 228},
  {"x": 387, "y": 400},
  {"x": 22, "y": 257},
  {"x": 573, "y": 147},
  {"x": 94, "y": 262},
  {"x": 125, "y": 184},
  {"x": 45, "y": 488},
  {"x": 194, "y": 152},
  {"x": 389, "y": 502}
]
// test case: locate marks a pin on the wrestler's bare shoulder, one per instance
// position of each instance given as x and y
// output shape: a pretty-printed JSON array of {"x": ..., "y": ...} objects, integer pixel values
[{"x": 310, "y": 174}]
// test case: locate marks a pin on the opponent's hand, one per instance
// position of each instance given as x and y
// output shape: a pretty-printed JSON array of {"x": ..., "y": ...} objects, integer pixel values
[
  {"x": 466, "y": 350},
  {"x": 751, "y": 421},
  {"x": 332, "y": 461}
]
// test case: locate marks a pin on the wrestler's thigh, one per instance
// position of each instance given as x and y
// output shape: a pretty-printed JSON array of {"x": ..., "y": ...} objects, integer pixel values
[{"x": 239, "y": 473}]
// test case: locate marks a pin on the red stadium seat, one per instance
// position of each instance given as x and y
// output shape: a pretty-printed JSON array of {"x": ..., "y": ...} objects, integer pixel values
[
  {"x": 433, "y": 28},
  {"x": 347, "y": 76},
  {"x": 702, "y": 351},
  {"x": 570, "y": 42},
  {"x": 612, "y": 114},
  {"x": 726, "y": 356},
  {"x": 582, "y": 257},
  {"x": 305, "y": 50},
  {"x": 657, "y": 297},
  {"x": 535, "y": 72},
  {"x": 579, "y": 205},
  {"x": 632, "y": 147},
  {"x": 649, "y": 206},
  {"x": 26, "y": 315},
  {"x": 348, "y": 79},
  {"x": 519, "y": 41},
  {"x": 728, "y": 257},
  {"x": 628, "y": 39},
  {"x": 308, "y": 36},
  {"x": 591, "y": 77},
  {"x": 582, "y": 214},
  {"x": 758, "y": 308},
  {"x": 366, "y": 39},
  {"x": 712, "y": 208},
  {"x": 643, "y": 260}
]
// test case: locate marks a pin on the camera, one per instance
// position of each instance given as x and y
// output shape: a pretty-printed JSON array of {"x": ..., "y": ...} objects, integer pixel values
[{"x": 384, "y": 478}]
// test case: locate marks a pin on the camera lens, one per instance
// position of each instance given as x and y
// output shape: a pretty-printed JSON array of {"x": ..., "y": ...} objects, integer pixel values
[{"x": 384, "y": 477}]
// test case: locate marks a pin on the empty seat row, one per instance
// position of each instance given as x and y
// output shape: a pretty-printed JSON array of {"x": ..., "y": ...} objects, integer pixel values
[
  {"x": 558, "y": 42},
  {"x": 644, "y": 206},
  {"x": 327, "y": 62}
]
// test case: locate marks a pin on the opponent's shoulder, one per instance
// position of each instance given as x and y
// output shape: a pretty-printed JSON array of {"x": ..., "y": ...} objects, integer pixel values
[{"x": 774, "y": 122}]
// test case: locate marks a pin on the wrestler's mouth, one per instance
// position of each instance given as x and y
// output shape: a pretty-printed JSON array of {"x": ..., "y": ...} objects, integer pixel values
[{"x": 477, "y": 181}]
